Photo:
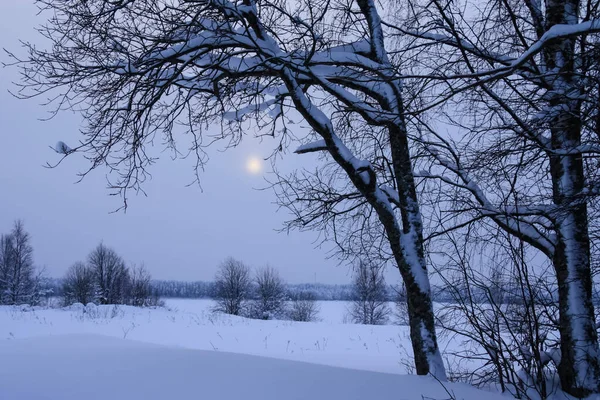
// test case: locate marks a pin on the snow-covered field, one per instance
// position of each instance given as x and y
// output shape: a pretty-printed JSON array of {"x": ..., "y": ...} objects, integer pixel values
[
  {"x": 190, "y": 324},
  {"x": 185, "y": 350},
  {"x": 329, "y": 311}
]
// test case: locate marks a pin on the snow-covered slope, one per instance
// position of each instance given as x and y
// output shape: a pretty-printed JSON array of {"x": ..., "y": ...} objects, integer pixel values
[
  {"x": 375, "y": 348},
  {"x": 89, "y": 367}
]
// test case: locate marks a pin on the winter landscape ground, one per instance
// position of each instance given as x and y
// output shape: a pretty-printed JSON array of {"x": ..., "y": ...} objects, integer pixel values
[
  {"x": 454, "y": 143},
  {"x": 185, "y": 351}
]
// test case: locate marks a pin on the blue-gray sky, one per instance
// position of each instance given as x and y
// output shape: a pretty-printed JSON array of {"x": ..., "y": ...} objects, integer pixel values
[{"x": 178, "y": 232}]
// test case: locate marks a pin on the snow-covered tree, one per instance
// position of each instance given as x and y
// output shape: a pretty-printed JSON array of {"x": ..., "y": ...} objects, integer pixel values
[
  {"x": 233, "y": 284},
  {"x": 141, "y": 66},
  {"x": 518, "y": 85}
]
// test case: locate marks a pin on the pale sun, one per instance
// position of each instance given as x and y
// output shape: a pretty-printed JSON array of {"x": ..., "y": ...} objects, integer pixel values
[{"x": 254, "y": 165}]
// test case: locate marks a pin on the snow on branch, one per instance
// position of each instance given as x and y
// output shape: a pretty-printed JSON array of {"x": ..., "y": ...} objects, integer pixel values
[
  {"x": 252, "y": 108},
  {"x": 318, "y": 145},
  {"x": 361, "y": 47},
  {"x": 391, "y": 193},
  {"x": 509, "y": 65},
  {"x": 62, "y": 148},
  {"x": 502, "y": 217},
  {"x": 558, "y": 31}
]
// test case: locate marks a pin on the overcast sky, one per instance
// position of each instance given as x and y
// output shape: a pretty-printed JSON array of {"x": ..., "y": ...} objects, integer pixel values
[{"x": 178, "y": 232}]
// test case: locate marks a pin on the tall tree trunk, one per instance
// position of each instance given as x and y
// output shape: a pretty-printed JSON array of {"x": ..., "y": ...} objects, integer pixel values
[
  {"x": 428, "y": 359},
  {"x": 406, "y": 242},
  {"x": 579, "y": 368},
  {"x": 412, "y": 263},
  {"x": 407, "y": 246}
]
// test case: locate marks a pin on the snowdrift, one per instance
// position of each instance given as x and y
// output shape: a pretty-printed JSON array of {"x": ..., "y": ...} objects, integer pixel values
[{"x": 89, "y": 367}]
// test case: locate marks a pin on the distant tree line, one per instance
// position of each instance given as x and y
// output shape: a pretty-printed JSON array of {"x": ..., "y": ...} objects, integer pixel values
[
  {"x": 206, "y": 290},
  {"x": 321, "y": 291},
  {"x": 261, "y": 295},
  {"x": 105, "y": 279},
  {"x": 183, "y": 289},
  {"x": 264, "y": 295}
]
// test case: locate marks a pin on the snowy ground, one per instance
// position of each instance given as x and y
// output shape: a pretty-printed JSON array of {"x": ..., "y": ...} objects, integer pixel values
[
  {"x": 190, "y": 324},
  {"x": 332, "y": 312},
  {"x": 75, "y": 367},
  {"x": 131, "y": 353}
]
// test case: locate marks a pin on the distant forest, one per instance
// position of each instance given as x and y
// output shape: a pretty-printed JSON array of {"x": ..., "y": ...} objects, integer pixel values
[
  {"x": 206, "y": 290},
  {"x": 321, "y": 291}
]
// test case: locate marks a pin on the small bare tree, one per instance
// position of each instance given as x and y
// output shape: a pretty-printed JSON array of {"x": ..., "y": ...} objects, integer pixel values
[
  {"x": 232, "y": 287},
  {"x": 6, "y": 262},
  {"x": 270, "y": 301},
  {"x": 111, "y": 275},
  {"x": 140, "y": 290},
  {"x": 303, "y": 308},
  {"x": 401, "y": 312},
  {"x": 504, "y": 307},
  {"x": 79, "y": 284},
  {"x": 370, "y": 304},
  {"x": 17, "y": 272}
]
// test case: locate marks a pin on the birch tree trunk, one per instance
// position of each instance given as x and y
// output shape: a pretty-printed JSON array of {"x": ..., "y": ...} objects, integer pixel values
[{"x": 579, "y": 369}]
